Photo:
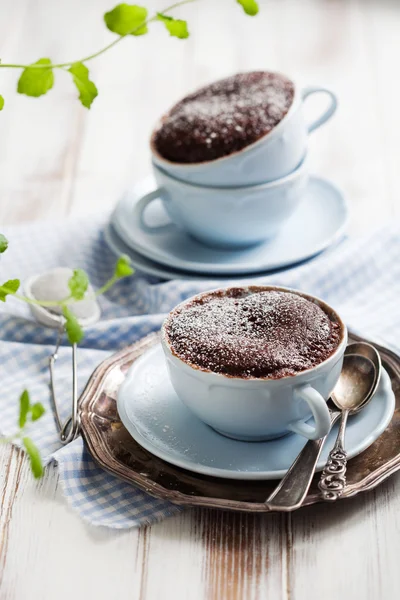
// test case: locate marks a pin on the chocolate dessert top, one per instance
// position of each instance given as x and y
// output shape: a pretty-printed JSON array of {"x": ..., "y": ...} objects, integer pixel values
[
  {"x": 224, "y": 117},
  {"x": 248, "y": 332}
]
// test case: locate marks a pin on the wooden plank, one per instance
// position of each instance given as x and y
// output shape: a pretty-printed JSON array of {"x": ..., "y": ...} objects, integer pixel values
[
  {"x": 350, "y": 549},
  {"x": 40, "y": 137}
]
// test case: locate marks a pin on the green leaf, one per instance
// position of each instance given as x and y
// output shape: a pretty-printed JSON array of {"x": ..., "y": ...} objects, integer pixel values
[
  {"x": 24, "y": 408},
  {"x": 176, "y": 27},
  {"x": 250, "y": 7},
  {"x": 127, "y": 19},
  {"x": 37, "y": 410},
  {"x": 36, "y": 81},
  {"x": 123, "y": 267},
  {"x": 1, "y": 102},
  {"x": 74, "y": 330},
  {"x": 78, "y": 284},
  {"x": 86, "y": 88},
  {"x": 34, "y": 457},
  {"x": 12, "y": 285},
  {"x": 3, "y": 243}
]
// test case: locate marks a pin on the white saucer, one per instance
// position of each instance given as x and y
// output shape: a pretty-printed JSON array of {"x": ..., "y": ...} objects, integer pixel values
[
  {"x": 145, "y": 265},
  {"x": 318, "y": 222},
  {"x": 158, "y": 421}
]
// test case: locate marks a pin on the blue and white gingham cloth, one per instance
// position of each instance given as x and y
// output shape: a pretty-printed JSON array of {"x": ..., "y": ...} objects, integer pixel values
[{"x": 360, "y": 278}]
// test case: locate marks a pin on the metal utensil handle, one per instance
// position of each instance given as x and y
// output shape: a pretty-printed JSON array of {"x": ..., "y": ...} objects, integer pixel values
[
  {"x": 333, "y": 477},
  {"x": 70, "y": 429},
  {"x": 293, "y": 488}
]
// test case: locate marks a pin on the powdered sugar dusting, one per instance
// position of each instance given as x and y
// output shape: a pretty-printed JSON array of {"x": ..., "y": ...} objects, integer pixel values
[
  {"x": 224, "y": 117},
  {"x": 249, "y": 333}
]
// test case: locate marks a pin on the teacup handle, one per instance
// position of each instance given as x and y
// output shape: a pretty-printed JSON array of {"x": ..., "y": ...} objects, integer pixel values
[
  {"x": 320, "y": 413},
  {"x": 139, "y": 210},
  {"x": 328, "y": 113}
]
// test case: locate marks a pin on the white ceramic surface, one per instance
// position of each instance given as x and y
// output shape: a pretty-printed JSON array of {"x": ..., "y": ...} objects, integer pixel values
[
  {"x": 319, "y": 221},
  {"x": 145, "y": 265},
  {"x": 156, "y": 418},
  {"x": 224, "y": 217},
  {"x": 272, "y": 157},
  {"x": 256, "y": 409}
]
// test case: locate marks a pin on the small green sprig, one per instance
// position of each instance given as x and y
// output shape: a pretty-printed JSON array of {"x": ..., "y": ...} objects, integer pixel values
[
  {"x": 250, "y": 7},
  {"x": 28, "y": 413},
  {"x": 78, "y": 285},
  {"x": 3, "y": 243},
  {"x": 124, "y": 20},
  {"x": 176, "y": 27}
]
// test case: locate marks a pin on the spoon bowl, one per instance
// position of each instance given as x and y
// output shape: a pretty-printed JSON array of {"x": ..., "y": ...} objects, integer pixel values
[
  {"x": 368, "y": 351},
  {"x": 356, "y": 383},
  {"x": 53, "y": 285}
]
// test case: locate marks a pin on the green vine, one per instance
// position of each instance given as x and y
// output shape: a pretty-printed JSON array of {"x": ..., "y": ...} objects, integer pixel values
[
  {"x": 36, "y": 80},
  {"x": 125, "y": 20}
]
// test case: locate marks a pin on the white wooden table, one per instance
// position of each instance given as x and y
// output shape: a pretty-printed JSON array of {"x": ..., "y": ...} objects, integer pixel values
[{"x": 58, "y": 159}]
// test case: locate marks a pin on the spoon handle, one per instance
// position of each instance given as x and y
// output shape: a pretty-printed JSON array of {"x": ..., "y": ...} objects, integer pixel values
[
  {"x": 293, "y": 488},
  {"x": 333, "y": 477}
]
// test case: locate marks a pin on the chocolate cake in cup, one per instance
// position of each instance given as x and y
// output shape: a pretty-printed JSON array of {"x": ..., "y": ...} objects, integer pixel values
[
  {"x": 244, "y": 130},
  {"x": 257, "y": 362}
]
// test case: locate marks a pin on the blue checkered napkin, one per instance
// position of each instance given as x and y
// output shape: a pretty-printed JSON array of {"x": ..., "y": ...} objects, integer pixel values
[{"x": 361, "y": 278}]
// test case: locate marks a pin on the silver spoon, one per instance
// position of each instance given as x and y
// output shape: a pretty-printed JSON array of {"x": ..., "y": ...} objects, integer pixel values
[
  {"x": 353, "y": 392},
  {"x": 291, "y": 491},
  {"x": 53, "y": 285}
]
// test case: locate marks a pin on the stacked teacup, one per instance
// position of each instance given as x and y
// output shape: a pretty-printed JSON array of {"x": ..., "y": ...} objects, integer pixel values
[{"x": 230, "y": 159}]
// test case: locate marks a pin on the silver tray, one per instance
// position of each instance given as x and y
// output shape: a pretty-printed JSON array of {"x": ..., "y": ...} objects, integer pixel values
[{"x": 113, "y": 448}]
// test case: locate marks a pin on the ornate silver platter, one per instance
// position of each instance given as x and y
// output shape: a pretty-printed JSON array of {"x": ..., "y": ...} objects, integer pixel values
[{"x": 113, "y": 448}]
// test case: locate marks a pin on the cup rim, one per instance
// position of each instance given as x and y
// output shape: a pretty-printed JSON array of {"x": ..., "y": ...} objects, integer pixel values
[
  {"x": 270, "y": 135},
  {"x": 297, "y": 172},
  {"x": 192, "y": 368}
]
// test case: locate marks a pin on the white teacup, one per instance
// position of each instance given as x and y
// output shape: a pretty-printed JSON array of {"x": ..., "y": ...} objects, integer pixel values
[
  {"x": 272, "y": 157},
  {"x": 255, "y": 409},
  {"x": 225, "y": 217}
]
